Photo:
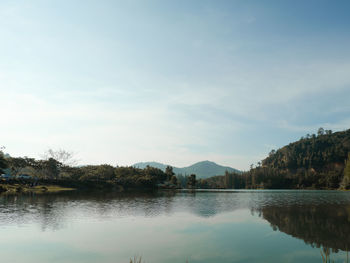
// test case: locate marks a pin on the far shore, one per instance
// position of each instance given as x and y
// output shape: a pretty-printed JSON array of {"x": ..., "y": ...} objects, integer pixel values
[{"x": 51, "y": 187}]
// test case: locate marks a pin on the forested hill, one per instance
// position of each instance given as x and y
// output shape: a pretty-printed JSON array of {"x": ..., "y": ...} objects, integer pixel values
[
  {"x": 202, "y": 169},
  {"x": 320, "y": 152},
  {"x": 317, "y": 161}
]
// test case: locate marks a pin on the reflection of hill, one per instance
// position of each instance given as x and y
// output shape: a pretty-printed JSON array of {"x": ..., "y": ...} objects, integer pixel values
[{"x": 322, "y": 225}]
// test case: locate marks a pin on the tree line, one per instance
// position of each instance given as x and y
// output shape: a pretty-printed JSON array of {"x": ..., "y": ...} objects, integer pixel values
[
  {"x": 57, "y": 167},
  {"x": 317, "y": 161}
]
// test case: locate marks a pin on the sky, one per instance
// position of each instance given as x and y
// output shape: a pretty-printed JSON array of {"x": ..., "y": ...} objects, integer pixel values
[{"x": 177, "y": 82}]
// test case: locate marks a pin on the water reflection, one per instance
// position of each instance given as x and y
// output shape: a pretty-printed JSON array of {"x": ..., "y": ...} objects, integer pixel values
[
  {"x": 53, "y": 210},
  {"x": 211, "y": 223},
  {"x": 318, "y": 225},
  {"x": 298, "y": 213}
]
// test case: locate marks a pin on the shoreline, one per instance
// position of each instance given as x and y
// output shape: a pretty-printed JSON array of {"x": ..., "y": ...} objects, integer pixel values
[
  {"x": 51, "y": 187},
  {"x": 22, "y": 188}
]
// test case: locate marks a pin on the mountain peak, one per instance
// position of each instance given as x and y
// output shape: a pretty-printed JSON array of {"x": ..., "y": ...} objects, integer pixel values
[
  {"x": 206, "y": 162},
  {"x": 202, "y": 169}
]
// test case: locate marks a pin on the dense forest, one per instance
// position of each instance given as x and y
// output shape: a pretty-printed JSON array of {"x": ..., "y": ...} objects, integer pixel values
[{"x": 317, "y": 161}]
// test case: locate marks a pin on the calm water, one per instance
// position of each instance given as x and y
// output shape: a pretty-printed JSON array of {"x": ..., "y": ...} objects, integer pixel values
[{"x": 205, "y": 226}]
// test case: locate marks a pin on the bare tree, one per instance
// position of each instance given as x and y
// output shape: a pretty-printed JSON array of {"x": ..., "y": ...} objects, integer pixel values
[{"x": 61, "y": 155}]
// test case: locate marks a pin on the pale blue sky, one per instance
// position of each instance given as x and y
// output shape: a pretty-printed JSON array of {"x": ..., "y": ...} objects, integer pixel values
[{"x": 171, "y": 81}]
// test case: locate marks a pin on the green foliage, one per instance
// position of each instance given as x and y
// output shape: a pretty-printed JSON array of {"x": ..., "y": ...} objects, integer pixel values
[
  {"x": 182, "y": 180},
  {"x": 48, "y": 169},
  {"x": 3, "y": 162},
  {"x": 347, "y": 168},
  {"x": 132, "y": 177},
  {"x": 228, "y": 181},
  {"x": 191, "y": 183},
  {"x": 214, "y": 182},
  {"x": 312, "y": 162},
  {"x": 16, "y": 164},
  {"x": 169, "y": 172},
  {"x": 312, "y": 151},
  {"x": 174, "y": 180},
  {"x": 103, "y": 172},
  {"x": 98, "y": 176},
  {"x": 345, "y": 184}
]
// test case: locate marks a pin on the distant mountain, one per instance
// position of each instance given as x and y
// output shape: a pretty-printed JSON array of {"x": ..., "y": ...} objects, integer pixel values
[
  {"x": 143, "y": 165},
  {"x": 203, "y": 169}
]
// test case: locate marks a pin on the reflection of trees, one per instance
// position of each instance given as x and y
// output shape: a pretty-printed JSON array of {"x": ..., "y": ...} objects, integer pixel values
[
  {"x": 26, "y": 208},
  {"x": 318, "y": 225},
  {"x": 326, "y": 256},
  {"x": 53, "y": 210}
]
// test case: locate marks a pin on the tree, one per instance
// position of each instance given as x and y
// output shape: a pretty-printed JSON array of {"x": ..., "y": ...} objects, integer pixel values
[
  {"x": 328, "y": 132},
  {"x": 49, "y": 168},
  {"x": 64, "y": 157},
  {"x": 156, "y": 174},
  {"x": 345, "y": 184},
  {"x": 191, "y": 183},
  {"x": 3, "y": 162},
  {"x": 228, "y": 180},
  {"x": 182, "y": 180},
  {"x": 320, "y": 131},
  {"x": 174, "y": 180},
  {"x": 169, "y": 172},
  {"x": 16, "y": 164},
  {"x": 105, "y": 172}
]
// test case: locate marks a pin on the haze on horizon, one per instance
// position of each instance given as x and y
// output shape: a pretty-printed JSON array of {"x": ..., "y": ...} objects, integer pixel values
[{"x": 175, "y": 82}]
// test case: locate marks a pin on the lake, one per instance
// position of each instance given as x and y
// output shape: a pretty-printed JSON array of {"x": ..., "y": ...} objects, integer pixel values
[{"x": 168, "y": 227}]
